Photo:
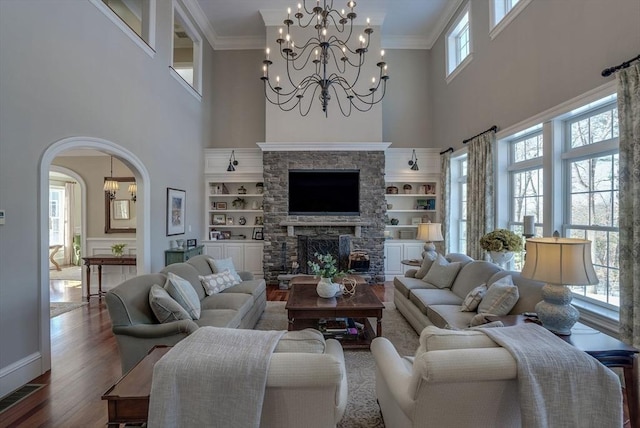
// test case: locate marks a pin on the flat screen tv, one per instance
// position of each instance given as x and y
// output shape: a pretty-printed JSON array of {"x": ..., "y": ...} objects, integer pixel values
[{"x": 324, "y": 192}]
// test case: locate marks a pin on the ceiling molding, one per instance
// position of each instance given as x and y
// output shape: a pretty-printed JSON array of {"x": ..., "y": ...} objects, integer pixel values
[
  {"x": 202, "y": 21},
  {"x": 445, "y": 17},
  {"x": 321, "y": 147}
]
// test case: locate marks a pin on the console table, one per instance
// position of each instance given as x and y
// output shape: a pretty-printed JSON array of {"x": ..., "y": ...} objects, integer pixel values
[
  {"x": 176, "y": 255},
  {"x": 104, "y": 259}
]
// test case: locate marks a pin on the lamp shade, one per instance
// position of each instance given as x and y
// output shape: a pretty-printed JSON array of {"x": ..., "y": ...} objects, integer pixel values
[
  {"x": 111, "y": 186},
  {"x": 430, "y": 232},
  {"x": 133, "y": 188},
  {"x": 565, "y": 261}
]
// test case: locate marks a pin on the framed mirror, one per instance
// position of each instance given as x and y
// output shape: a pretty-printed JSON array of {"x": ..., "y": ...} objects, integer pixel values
[{"x": 120, "y": 212}]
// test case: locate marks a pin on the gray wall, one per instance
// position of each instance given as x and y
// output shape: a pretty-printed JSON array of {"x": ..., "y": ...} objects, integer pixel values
[
  {"x": 552, "y": 52},
  {"x": 66, "y": 70}
]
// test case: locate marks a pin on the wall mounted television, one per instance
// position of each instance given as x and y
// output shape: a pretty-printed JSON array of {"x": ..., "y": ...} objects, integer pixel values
[{"x": 324, "y": 192}]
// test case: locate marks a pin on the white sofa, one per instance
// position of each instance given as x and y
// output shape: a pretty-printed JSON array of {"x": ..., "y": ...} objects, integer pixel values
[{"x": 457, "y": 379}]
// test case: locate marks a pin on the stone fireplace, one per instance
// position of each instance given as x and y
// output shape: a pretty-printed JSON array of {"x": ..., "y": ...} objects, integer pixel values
[{"x": 291, "y": 238}]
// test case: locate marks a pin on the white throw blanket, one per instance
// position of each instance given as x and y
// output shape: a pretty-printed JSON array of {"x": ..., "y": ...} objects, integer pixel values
[
  {"x": 215, "y": 377},
  {"x": 559, "y": 385}
]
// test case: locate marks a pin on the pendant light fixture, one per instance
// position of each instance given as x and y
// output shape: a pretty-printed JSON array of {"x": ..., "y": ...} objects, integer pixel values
[
  {"x": 110, "y": 185},
  {"x": 232, "y": 162}
]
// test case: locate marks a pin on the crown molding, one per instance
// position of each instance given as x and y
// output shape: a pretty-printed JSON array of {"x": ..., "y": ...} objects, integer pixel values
[
  {"x": 322, "y": 147},
  {"x": 443, "y": 22},
  {"x": 202, "y": 21}
]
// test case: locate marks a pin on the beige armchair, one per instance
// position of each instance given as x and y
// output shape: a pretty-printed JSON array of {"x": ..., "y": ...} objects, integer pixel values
[{"x": 457, "y": 379}]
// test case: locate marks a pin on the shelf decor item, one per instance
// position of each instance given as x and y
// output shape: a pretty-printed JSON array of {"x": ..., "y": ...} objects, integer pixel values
[
  {"x": 326, "y": 268},
  {"x": 392, "y": 190},
  {"x": 558, "y": 262},
  {"x": 407, "y": 188},
  {"x": 239, "y": 203}
]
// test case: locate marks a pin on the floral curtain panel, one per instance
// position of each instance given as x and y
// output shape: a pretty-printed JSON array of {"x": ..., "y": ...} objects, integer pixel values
[
  {"x": 480, "y": 192},
  {"x": 445, "y": 197},
  {"x": 629, "y": 123}
]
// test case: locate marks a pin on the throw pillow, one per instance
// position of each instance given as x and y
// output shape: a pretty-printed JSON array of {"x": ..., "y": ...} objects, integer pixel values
[
  {"x": 500, "y": 298},
  {"x": 182, "y": 292},
  {"x": 164, "y": 307},
  {"x": 472, "y": 300},
  {"x": 442, "y": 273},
  {"x": 220, "y": 265},
  {"x": 427, "y": 261},
  {"x": 217, "y": 282}
]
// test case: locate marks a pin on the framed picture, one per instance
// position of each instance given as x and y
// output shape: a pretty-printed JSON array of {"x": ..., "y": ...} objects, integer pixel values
[
  {"x": 416, "y": 220},
  {"x": 226, "y": 234},
  {"x": 221, "y": 205},
  {"x": 257, "y": 233},
  {"x": 192, "y": 243},
  {"x": 214, "y": 235},
  {"x": 176, "y": 208},
  {"x": 219, "y": 219},
  {"x": 230, "y": 221}
]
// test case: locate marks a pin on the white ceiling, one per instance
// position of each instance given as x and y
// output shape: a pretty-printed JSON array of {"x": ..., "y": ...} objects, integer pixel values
[{"x": 238, "y": 24}]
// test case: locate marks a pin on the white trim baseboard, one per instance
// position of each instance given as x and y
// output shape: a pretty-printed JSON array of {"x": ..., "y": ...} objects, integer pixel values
[{"x": 20, "y": 373}]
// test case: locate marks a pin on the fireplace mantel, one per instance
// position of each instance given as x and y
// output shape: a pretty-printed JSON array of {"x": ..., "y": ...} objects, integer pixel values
[
  {"x": 323, "y": 147},
  {"x": 357, "y": 225}
]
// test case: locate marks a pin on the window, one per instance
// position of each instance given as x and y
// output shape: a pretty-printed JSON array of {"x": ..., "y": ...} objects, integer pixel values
[
  {"x": 503, "y": 12},
  {"x": 458, "y": 45},
  {"x": 136, "y": 18},
  {"x": 458, "y": 227},
  {"x": 525, "y": 184},
  {"x": 591, "y": 169},
  {"x": 186, "y": 52},
  {"x": 563, "y": 169},
  {"x": 56, "y": 215}
]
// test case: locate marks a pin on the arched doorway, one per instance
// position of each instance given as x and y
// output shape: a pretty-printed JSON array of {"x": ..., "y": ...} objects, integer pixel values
[{"x": 142, "y": 223}]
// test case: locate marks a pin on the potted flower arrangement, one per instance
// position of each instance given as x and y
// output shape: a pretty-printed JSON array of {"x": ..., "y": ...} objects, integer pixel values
[
  {"x": 326, "y": 268},
  {"x": 501, "y": 244},
  {"x": 118, "y": 249}
]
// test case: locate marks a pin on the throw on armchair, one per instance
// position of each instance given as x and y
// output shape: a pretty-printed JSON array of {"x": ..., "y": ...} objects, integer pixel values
[{"x": 457, "y": 379}]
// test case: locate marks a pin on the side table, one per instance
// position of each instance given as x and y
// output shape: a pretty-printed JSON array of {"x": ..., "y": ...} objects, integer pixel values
[{"x": 608, "y": 350}]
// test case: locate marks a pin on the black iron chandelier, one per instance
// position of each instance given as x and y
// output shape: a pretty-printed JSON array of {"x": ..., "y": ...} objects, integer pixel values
[{"x": 323, "y": 52}]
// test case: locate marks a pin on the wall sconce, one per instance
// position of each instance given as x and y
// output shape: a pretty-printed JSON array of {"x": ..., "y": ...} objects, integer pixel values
[
  {"x": 232, "y": 162},
  {"x": 111, "y": 186},
  {"x": 133, "y": 189},
  {"x": 413, "y": 162}
]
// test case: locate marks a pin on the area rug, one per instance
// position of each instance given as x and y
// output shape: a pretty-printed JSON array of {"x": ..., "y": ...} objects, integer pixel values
[
  {"x": 59, "y": 308},
  {"x": 362, "y": 408},
  {"x": 69, "y": 273}
]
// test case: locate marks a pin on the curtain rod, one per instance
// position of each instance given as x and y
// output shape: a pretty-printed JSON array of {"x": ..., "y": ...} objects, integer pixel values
[
  {"x": 450, "y": 149},
  {"x": 494, "y": 128},
  {"x": 609, "y": 71}
]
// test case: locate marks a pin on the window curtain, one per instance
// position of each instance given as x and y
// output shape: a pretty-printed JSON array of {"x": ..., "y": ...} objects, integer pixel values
[
  {"x": 69, "y": 221},
  {"x": 480, "y": 192},
  {"x": 629, "y": 123},
  {"x": 445, "y": 200}
]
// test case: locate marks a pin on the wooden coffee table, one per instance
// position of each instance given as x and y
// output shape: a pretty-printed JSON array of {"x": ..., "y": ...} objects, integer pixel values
[{"x": 304, "y": 309}]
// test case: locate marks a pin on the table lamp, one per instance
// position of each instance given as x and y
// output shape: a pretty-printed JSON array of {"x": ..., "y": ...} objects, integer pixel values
[
  {"x": 430, "y": 233},
  {"x": 558, "y": 262}
]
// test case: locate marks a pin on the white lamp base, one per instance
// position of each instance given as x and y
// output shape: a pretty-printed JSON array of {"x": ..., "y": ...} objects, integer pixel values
[{"x": 555, "y": 310}]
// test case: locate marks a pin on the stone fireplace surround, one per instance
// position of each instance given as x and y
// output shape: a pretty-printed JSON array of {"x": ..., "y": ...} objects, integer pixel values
[{"x": 281, "y": 249}]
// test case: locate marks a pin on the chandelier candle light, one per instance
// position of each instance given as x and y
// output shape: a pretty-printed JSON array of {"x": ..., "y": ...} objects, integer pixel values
[{"x": 328, "y": 58}]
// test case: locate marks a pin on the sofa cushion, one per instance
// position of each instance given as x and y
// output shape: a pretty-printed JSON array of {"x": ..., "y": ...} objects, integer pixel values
[
  {"x": 164, "y": 307},
  {"x": 427, "y": 261},
  {"x": 220, "y": 265},
  {"x": 217, "y": 282},
  {"x": 473, "y": 274},
  {"x": 423, "y": 298},
  {"x": 433, "y": 338},
  {"x": 201, "y": 264},
  {"x": 530, "y": 291},
  {"x": 449, "y": 316},
  {"x": 237, "y": 301},
  {"x": 472, "y": 300},
  {"x": 404, "y": 285},
  {"x": 442, "y": 273},
  {"x": 188, "y": 272},
  {"x": 500, "y": 298},
  {"x": 219, "y": 318},
  {"x": 309, "y": 341},
  {"x": 254, "y": 287},
  {"x": 182, "y": 292}
]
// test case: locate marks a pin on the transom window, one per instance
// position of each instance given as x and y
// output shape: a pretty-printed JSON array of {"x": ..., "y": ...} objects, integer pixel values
[
  {"x": 459, "y": 42},
  {"x": 136, "y": 18},
  {"x": 503, "y": 12}
]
